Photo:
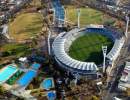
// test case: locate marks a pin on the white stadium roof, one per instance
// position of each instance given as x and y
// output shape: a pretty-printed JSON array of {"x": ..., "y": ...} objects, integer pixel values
[{"x": 62, "y": 56}]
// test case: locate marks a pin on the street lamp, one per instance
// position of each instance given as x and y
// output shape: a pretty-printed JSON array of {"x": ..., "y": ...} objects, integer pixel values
[
  {"x": 78, "y": 11},
  {"x": 127, "y": 25},
  {"x": 104, "y": 49}
]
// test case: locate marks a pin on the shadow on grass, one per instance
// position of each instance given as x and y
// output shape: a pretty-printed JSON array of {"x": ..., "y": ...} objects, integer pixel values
[
  {"x": 96, "y": 57},
  {"x": 90, "y": 46}
]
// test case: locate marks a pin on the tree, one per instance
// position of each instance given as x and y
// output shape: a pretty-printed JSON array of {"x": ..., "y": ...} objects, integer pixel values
[
  {"x": 2, "y": 90},
  {"x": 109, "y": 22},
  {"x": 30, "y": 86},
  {"x": 95, "y": 98}
]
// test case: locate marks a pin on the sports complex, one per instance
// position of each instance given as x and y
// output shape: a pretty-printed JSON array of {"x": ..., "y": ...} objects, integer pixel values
[
  {"x": 79, "y": 51},
  {"x": 65, "y": 42}
]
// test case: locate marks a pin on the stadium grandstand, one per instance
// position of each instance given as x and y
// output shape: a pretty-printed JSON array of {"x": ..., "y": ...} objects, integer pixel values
[
  {"x": 58, "y": 12},
  {"x": 64, "y": 40}
]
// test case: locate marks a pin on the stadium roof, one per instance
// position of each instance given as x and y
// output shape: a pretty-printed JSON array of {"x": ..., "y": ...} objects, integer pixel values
[{"x": 62, "y": 56}]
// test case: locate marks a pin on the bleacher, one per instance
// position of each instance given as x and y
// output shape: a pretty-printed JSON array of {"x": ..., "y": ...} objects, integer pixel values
[
  {"x": 102, "y": 31},
  {"x": 59, "y": 12},
  {"x": 118, "y": 41},
  {"x": 65, "y": 59},
  {"x": 113, "y": 54}
]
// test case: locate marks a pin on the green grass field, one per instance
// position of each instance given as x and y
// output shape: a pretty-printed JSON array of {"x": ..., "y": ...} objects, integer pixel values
[
  {"x": 88, "y": 48},
  {"x": 14, "y": 49},
  {"x": 25, "y": 25},
  {"x": 88, "y": 16}
]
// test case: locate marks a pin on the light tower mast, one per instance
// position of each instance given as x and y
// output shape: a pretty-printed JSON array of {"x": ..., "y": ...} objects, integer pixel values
[
  {"x": 104, "y": 49},
  {"x": 127, "y": 25},
  {"x": 78, "y": 12}
]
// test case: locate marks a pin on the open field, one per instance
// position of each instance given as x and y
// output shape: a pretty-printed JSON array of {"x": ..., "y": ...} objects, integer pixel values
[
  {"x": 88, "y": 16},
  {"x": 88, "y": 48},
  {"x": 14, "y": 49},
  {"x": 25, "y": 26}
]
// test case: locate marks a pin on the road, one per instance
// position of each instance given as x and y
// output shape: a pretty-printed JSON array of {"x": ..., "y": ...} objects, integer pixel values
[{"x": 119, "y": 66}]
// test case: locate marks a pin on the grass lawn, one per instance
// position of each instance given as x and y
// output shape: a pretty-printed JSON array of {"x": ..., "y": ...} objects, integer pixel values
[
  {"x": 88, "y": 16},
  {"x": 25, "y": 25},
  {"x": 14, "y": 49},
  {"x": 88, "y": 48}
]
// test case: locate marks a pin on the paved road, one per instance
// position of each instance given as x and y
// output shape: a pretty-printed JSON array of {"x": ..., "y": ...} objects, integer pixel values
[{"x": 124, "y": 56}]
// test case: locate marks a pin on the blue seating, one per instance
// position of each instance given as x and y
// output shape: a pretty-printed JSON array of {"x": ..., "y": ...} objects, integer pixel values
[
  {"x": 103, "y": 31},
  {"x": 59, "y": 11}
]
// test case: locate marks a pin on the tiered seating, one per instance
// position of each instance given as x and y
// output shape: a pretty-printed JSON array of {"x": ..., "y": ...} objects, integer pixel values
[
  {"x": 62, "y": 56},
  {"x": 59, "y": 11},
  {"x": 113, "y": 54},
  {"x": 102, "y": 31}
]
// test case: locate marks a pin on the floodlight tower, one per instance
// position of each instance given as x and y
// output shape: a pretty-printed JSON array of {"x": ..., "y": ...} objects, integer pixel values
[
  {"x": 127, "y": 25},
  {"x": 78, "y": 12},
  {"x": 104, "y": 49}
]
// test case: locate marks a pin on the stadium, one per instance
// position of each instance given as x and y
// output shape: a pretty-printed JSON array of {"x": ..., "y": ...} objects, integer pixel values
[{"x": 62, "y": 44}]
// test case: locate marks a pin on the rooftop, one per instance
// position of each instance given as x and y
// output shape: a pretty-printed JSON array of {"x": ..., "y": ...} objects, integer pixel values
[{"x": 124, "y": 82}]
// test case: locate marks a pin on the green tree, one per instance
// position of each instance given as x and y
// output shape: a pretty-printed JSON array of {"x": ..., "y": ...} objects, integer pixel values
[
  {"x": 30, "y": 86},
  {"x": 2, "y": 90},
  {"x": 95, "y": 98}
]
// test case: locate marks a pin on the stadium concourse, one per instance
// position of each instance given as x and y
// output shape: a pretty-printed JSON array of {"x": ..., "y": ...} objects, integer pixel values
[{"x": 63, "y": 41}]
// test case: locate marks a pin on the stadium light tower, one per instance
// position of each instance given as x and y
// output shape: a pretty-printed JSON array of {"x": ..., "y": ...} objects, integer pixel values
[
  {"x": 48, "y": 40},
  {"x": 78, "y": 12},
  {"x": 127, "y": 25},
  {"x": 104, "y": 49}
]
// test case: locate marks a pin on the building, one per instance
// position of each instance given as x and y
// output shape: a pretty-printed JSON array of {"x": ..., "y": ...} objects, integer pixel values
[
  {"x": 124, "y": 83},
  {"x": 111, "y": 2},
  {"x": 4, "y": 31},
  {"x": 63, "y": 41}
]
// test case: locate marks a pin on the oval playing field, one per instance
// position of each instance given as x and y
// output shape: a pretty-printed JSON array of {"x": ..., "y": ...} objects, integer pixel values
[{"x": 88, "y": 48}]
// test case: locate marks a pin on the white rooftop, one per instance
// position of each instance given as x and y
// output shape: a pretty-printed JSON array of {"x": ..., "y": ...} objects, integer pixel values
[{"x": 125, "y": 78}]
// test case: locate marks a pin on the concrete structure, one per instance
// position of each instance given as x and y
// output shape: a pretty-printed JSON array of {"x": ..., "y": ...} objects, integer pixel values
[
  {"x": 127, "y": 25},
  {"x": 64, "y": 40},
  {"x": 104, "y": 49},
  {"x": 78, "y": 20},
  {"x": 124, "y": 83},
  {"x": 4, "y": 31}
]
